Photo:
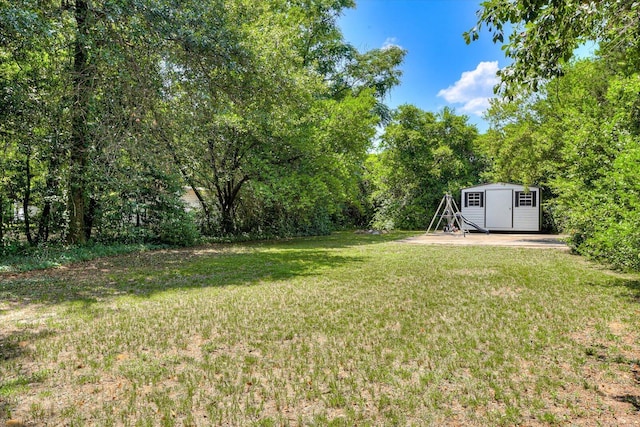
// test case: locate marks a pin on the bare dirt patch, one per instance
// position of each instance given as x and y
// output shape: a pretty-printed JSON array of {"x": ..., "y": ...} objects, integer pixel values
[
  {"x": 612, "y": 370},
  {"x": 547, "y": 241}
]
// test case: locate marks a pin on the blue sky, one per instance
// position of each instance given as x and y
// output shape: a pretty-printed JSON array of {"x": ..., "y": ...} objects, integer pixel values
[{"x": 439, "y": 69}]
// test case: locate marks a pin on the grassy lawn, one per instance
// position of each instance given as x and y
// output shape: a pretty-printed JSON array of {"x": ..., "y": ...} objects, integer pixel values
[{"x": 340, "y": 330}]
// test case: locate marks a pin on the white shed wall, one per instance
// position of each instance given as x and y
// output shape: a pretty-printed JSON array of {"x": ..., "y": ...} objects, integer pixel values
[
  {"x": 525, "y": 218},
  {"x": 475, "y": 215}
]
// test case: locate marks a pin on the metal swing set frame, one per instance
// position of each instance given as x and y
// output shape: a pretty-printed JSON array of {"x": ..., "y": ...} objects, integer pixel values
[{"x": 449, "y": 212}]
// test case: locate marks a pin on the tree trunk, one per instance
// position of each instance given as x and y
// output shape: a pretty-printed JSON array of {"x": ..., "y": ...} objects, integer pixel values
[
  {"x": 27, "y": 199},
  {"x": 226, "y": 200},
  {"x": 1, "y": 220},
  {"x": 43, "y": 226},
  {"x": 204, "y": 205},
  {"x": 52, "y": 186},
  {"x": 227, "y": 223},
  {"x": 89, "y": 217},
  {"x": 79, "y": 132},
  {"x": 228, "y": 197}
]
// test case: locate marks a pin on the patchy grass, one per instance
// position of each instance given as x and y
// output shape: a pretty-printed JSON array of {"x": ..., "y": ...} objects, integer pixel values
[{"x": 340, "y": 330}]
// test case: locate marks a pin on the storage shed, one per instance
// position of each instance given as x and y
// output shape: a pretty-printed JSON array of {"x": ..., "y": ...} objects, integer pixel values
[{"x": 501, "y": 207}]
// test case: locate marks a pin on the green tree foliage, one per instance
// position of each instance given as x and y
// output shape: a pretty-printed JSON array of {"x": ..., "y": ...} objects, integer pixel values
[
  {"x": 235, "y": 113},
  {"x": 30, "y": 116},
  {"x": 578, "y": 136},
  {"x": 82, "y": 128},
  {"x": 578, "y": 139},
  {"x": 110, "y": 107},
  {"x": 425, "y": 156},
  {"x": 541, "y": 35},
  {"x": 598, "y": 185},
  {"x": 265, "y": 131}
]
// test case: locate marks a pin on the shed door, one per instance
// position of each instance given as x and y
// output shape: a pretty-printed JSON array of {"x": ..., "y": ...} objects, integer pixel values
[{"x": 499, "y": 209}]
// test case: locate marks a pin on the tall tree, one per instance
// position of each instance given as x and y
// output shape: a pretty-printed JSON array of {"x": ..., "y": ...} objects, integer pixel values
[
  {"x": 578, "y": 140},
  {"x": 584, "y": 119},
  {"x": 238, "y": 107},
  {"x": 31, "y": 110},
  {"x": 545, "y": 33},
  {"x": 82, "y": 75},
  {"x": 268, "y": 108},
  {"x": 88, "y": 71},
  {"x": 234, "y": 95},
  {"x": 425, "y": 155}
]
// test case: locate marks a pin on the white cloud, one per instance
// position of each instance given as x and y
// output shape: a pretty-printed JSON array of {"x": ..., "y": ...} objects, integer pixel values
[
  {"x": 390, "y": 42},
  {"x": 474, "y": 88},
  {"x": 476, "y": 106}
]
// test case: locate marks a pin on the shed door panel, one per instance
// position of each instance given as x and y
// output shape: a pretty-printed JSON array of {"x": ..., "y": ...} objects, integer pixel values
[{"x": 499, "y": 209}]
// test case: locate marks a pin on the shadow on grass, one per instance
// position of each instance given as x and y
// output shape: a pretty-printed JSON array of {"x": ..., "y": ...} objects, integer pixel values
[
  {"x": 152, "y": 272},
  {"x": 599, "y": 353},
  {"x": 5, "y": 408},
  {"x": 338, "y": 240},
  {"x": 632, "y": 288},
  {"x": 9, "y": 348},
  {"x": 632, "y": 400},
  {"x": 12, "y": 344},
  {"x": 629, "y": 398},
  {"x": 50, "y": 257},
  {"x": 629, "y": 287}
]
